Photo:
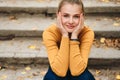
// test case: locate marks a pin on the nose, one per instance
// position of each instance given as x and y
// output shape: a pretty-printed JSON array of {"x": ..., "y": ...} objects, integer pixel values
[{"x": 71, "y": 20}]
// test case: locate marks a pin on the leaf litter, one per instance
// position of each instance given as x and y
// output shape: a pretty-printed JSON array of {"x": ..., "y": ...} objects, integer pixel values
[{"x": 107, "y": 43}]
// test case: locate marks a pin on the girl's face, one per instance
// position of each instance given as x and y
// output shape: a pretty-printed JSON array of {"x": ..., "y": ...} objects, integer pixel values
[{"x": 70, "y": 16}]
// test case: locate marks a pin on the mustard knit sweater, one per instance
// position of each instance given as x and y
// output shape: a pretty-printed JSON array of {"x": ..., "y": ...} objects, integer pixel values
[{"x": 64, "y": 54}]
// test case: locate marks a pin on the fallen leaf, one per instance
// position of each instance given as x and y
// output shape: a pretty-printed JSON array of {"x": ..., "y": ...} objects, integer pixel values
[
  {"x": 96, "y": 43},
  {"x": 12, "y": 67},
  {"x": 102, "y": 40},
  {"x": 98, "y": 19},
  {"x": 28, "y": 68},
  {"x": 109, "y": 42},
  {"x": 23, "y": 72},
  {"x": 4, "y": 77},
  {"x": 43, "y": 72},
  {"x": 0, "y": 67},
  {"x": 40, "y": 0},
  {"x": 97, "y": 79},
  {"x": 105, "y": 1},
  {"x": 32, "y": 47},
  {"x": 20, "y": 78},
  {"x": 12, "y": 17},
  {"x": 105, "y": 19},
  {"x": 116, "y": 24},
  {"x": 118, "y": 77},
  {"x": 29, "y": 76},
  {"x": 35, "y": 74},
  {"x": 98, "y": 72},
  {"x": 35, "y": 28}
]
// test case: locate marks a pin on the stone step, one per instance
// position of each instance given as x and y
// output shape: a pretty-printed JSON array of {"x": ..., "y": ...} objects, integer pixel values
[
  {"x": 38, "y": 71},
  {"x": 50, "y": 6},
  {"x": 34, "y": 24},
  {"x": 31, "y": 50}
]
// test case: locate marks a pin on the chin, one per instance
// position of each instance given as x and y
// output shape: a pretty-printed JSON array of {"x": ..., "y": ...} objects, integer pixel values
[{"x": 69, "y": 31}]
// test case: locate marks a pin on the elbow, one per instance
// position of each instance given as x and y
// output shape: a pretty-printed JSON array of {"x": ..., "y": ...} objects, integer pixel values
[
  {"x": 60, "y": 71},
  {"x": 76, "y": 71}
]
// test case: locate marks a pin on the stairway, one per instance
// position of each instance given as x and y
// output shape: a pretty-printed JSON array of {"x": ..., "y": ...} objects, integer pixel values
[{"x": 23, "y": 21}]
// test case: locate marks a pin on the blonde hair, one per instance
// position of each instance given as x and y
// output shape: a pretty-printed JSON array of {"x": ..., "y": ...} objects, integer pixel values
[{"x": 78, "y": 2}]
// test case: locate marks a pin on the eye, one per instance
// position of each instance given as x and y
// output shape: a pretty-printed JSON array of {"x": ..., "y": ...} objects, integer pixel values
[
  {"x": 76, "y": 16},
  {"x": 66, "y": 16}
]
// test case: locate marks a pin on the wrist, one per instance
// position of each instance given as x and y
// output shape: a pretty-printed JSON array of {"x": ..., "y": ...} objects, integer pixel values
[
  {"x": 65, "y": 35},
  {"x": 74, "y": 39},
  {"x": 74, "y": 36}
]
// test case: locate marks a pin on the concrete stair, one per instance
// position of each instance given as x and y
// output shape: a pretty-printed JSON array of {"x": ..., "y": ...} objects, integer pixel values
[
  {"x": 31, "y": 50},
  {"x": 26, "y": 20},
  {"x": 33, "y": 25},
  {"x": 50, "y": 6}
]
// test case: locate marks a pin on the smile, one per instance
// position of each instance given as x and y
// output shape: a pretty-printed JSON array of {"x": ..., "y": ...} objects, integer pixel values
[{"x": 70, "y": 27}]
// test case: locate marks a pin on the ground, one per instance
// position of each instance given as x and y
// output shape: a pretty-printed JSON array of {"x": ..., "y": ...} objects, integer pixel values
[{"x": 37, "y": 71}]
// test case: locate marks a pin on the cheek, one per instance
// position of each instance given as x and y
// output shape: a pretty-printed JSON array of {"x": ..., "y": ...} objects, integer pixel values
[
  {"x": 64, "y": 20},
  {"x": 76, "y": 21}
]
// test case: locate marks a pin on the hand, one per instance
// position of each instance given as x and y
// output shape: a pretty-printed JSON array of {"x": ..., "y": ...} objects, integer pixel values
[
  {"x": 78, "y": 29},
  {"x": 60, "y": 26}
]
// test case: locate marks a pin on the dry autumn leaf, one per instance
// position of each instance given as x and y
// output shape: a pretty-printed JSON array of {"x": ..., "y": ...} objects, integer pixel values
[
  {"x": 30, "y": 76},
  {"x": 40, "y": 0},
  {"x": 98, "y": 72},
  {"x": 105, "y": 19},
  {"x": 118, "y": 77},
  {"x": 12, "y": 18},
  {"x": 35, "y": 74},
  {"x": 12, "y": 67},
  {"x": 3, "y": 77},
  {"x": 97, "y": 79},
  {"x": 23, "y": 72},
  {"x": 105, "y": 1},
  {"x": 116, "y": 24},
  {"x": 32, "y": 47},
  {"x": 28, "y": 68},
  {"x": 43, "y": 72},
  {"x": 0, "y": 67},
  {"x": 20, "y": 78},
  {"x": 35, "y": 28},
  {"x": 102, "y": 40}
]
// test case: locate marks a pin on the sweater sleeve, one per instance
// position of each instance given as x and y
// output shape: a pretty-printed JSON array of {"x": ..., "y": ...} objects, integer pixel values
[
  {"x": 58, "y": 57},
  {"x": 79, "y": 52}
]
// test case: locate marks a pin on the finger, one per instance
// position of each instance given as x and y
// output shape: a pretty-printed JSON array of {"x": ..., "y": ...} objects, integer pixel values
[
  {"x": 82, "y": 20},
  {"x": 60, "y": 19},
  {"x": 79, "y": 25}
]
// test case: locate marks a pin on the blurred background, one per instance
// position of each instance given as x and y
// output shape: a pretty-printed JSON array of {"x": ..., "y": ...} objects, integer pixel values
[{"x": 22, "y": 53}]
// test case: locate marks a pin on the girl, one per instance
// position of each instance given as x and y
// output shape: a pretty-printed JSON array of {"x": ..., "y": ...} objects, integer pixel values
[{"x": 68, "y": 43}]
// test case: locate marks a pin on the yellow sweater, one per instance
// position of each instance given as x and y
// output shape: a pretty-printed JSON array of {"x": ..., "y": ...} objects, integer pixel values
[{"x": 64, "y": 54}]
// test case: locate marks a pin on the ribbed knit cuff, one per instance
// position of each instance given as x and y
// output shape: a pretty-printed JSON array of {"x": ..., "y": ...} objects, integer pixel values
[{"x": 74, "y": 42}]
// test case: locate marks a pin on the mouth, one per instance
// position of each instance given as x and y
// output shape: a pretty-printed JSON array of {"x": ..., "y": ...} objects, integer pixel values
[{"x": 70, "y": 27}]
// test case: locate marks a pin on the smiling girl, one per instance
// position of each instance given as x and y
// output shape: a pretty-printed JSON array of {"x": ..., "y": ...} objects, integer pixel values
[{"x": 68, "y": 43}]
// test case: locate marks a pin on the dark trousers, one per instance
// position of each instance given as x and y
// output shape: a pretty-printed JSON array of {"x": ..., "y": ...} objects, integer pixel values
[{"x": 86, "y": 75}]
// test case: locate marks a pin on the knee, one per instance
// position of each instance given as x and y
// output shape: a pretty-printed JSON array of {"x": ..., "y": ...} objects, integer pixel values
[
  {"x": 49, "y": 78},
  {"x": 87, "y": 75},
  {"x": 49, "y": 75}
]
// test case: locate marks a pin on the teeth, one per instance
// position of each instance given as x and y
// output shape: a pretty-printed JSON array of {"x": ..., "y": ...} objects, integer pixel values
[{"x": 70, "y": 27}]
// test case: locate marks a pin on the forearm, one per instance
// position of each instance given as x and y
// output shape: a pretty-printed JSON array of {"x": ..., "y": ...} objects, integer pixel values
[
  {"x": 59, "y": 63},
  {"x": 77, "y": 63}
]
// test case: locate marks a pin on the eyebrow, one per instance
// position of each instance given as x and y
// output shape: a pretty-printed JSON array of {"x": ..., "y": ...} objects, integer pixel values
[{"x": 68, "y": 14}]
